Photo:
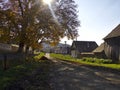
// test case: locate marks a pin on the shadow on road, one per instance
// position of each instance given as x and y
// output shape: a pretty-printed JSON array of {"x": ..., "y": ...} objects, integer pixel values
[{"x": 69, "y": 76}]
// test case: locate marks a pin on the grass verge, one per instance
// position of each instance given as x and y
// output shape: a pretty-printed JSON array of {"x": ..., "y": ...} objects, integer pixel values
[{"x": 88, "y": 61}]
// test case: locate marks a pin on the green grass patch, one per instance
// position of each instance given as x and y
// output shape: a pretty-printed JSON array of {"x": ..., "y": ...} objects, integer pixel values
[
  {"x": 37, "y": 57},
  {"x": 88, "y": 61},
  {"x": 60, "y": 56},
  {"x": 19, "y": 69}
]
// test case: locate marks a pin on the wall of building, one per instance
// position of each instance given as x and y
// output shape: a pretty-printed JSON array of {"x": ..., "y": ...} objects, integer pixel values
[
  {"x": 5, "y": 47},
  {"x": 112, "y": 50}
]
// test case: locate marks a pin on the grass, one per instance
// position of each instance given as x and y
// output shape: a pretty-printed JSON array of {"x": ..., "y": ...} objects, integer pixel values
[
  {"x": 96, "y": 60},
  {"x": 19, "y": 69},
  {"x": 39, "y": 56},
  {"x": 88, "y": 61}
]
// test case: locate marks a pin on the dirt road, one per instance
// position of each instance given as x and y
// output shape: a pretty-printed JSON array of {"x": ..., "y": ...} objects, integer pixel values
[
  {"x": 68, "y": 76},
  {"x": 62, "y": 75}
]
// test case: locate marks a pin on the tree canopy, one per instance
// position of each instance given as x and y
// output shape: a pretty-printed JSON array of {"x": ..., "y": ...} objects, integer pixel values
[{"x": 30, "y": 22}]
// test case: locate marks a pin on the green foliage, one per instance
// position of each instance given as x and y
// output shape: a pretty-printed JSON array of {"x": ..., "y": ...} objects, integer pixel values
[{"x": 96, "y": 60}]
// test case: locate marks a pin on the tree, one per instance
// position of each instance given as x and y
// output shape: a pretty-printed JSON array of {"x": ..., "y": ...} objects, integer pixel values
[
  {"x": 67, "y": 16},
  {"x": 31, "y": 21}
]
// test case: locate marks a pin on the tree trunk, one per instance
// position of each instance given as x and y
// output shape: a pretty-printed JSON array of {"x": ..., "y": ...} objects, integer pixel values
[
  {"x": 21, "y": 47},
  {"x": 27, "y": 49},
  {"x": 33, "y": 50}
]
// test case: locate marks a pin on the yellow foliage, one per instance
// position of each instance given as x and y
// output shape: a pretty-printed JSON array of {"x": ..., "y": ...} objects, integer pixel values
[{"x": 54, "y": 43}]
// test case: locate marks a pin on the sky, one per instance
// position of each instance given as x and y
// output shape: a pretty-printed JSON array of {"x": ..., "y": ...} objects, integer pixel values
[{"x": 98, "y": 18}]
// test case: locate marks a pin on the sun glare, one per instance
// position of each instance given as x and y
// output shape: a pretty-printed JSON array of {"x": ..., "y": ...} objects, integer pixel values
[{"x": 47, "y": 1}]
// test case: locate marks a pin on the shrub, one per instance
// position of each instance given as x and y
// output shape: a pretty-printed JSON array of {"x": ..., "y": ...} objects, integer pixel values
[{"x": 96, "y": 60}]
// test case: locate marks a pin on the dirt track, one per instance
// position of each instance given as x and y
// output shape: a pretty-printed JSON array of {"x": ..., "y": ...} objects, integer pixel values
[{"x": 68, "y": 76}]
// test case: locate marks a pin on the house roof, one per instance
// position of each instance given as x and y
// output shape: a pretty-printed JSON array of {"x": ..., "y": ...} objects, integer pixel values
[
  {"x": 99, "y": 49},
  {"x": 114, "y": 33},
  {"x": 85, "y": 46}
]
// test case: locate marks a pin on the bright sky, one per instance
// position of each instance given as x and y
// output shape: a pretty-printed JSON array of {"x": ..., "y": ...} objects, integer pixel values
[{"x": 98, "y": 18}]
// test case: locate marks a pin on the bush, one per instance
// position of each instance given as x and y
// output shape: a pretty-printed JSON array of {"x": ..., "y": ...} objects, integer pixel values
[{"x": 96, "y": 60}]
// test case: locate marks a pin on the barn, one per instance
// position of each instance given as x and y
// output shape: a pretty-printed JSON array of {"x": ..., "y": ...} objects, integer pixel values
[
  {"x": 99, "y": 51},
  {"x": 112, "y": 44},
  {"x": 79, "y": 47}
]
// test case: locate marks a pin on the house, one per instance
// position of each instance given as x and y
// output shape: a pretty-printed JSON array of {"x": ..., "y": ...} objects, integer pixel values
[
  {"x": 59, "y": 48},
  {"x": 62, "y": 49},
  {"x": 79, "y": 47},
  {"x": 99, "y": 51},
  {"x": 5, "y": 48},
  {"x": 112, "y": 44},
  {"x": 86, "y": 54},
  {"x": 46, "y": 47}
]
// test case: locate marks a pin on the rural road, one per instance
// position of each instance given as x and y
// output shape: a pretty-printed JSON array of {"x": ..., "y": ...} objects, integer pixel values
[{"x": 69, "y": 76}]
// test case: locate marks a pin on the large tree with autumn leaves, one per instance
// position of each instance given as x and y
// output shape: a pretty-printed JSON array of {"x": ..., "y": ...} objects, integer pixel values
[{"x": 29, "y": 22}]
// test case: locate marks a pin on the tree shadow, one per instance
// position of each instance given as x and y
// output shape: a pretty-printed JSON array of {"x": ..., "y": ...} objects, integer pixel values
[{"x": 68, "y": 76}]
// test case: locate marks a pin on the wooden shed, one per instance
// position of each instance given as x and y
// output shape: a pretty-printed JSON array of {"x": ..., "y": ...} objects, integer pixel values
[
  {"x": 99, "y": 51},
  {"x": 112, "y": 44},
  {"x": 79, "y": 47}
]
